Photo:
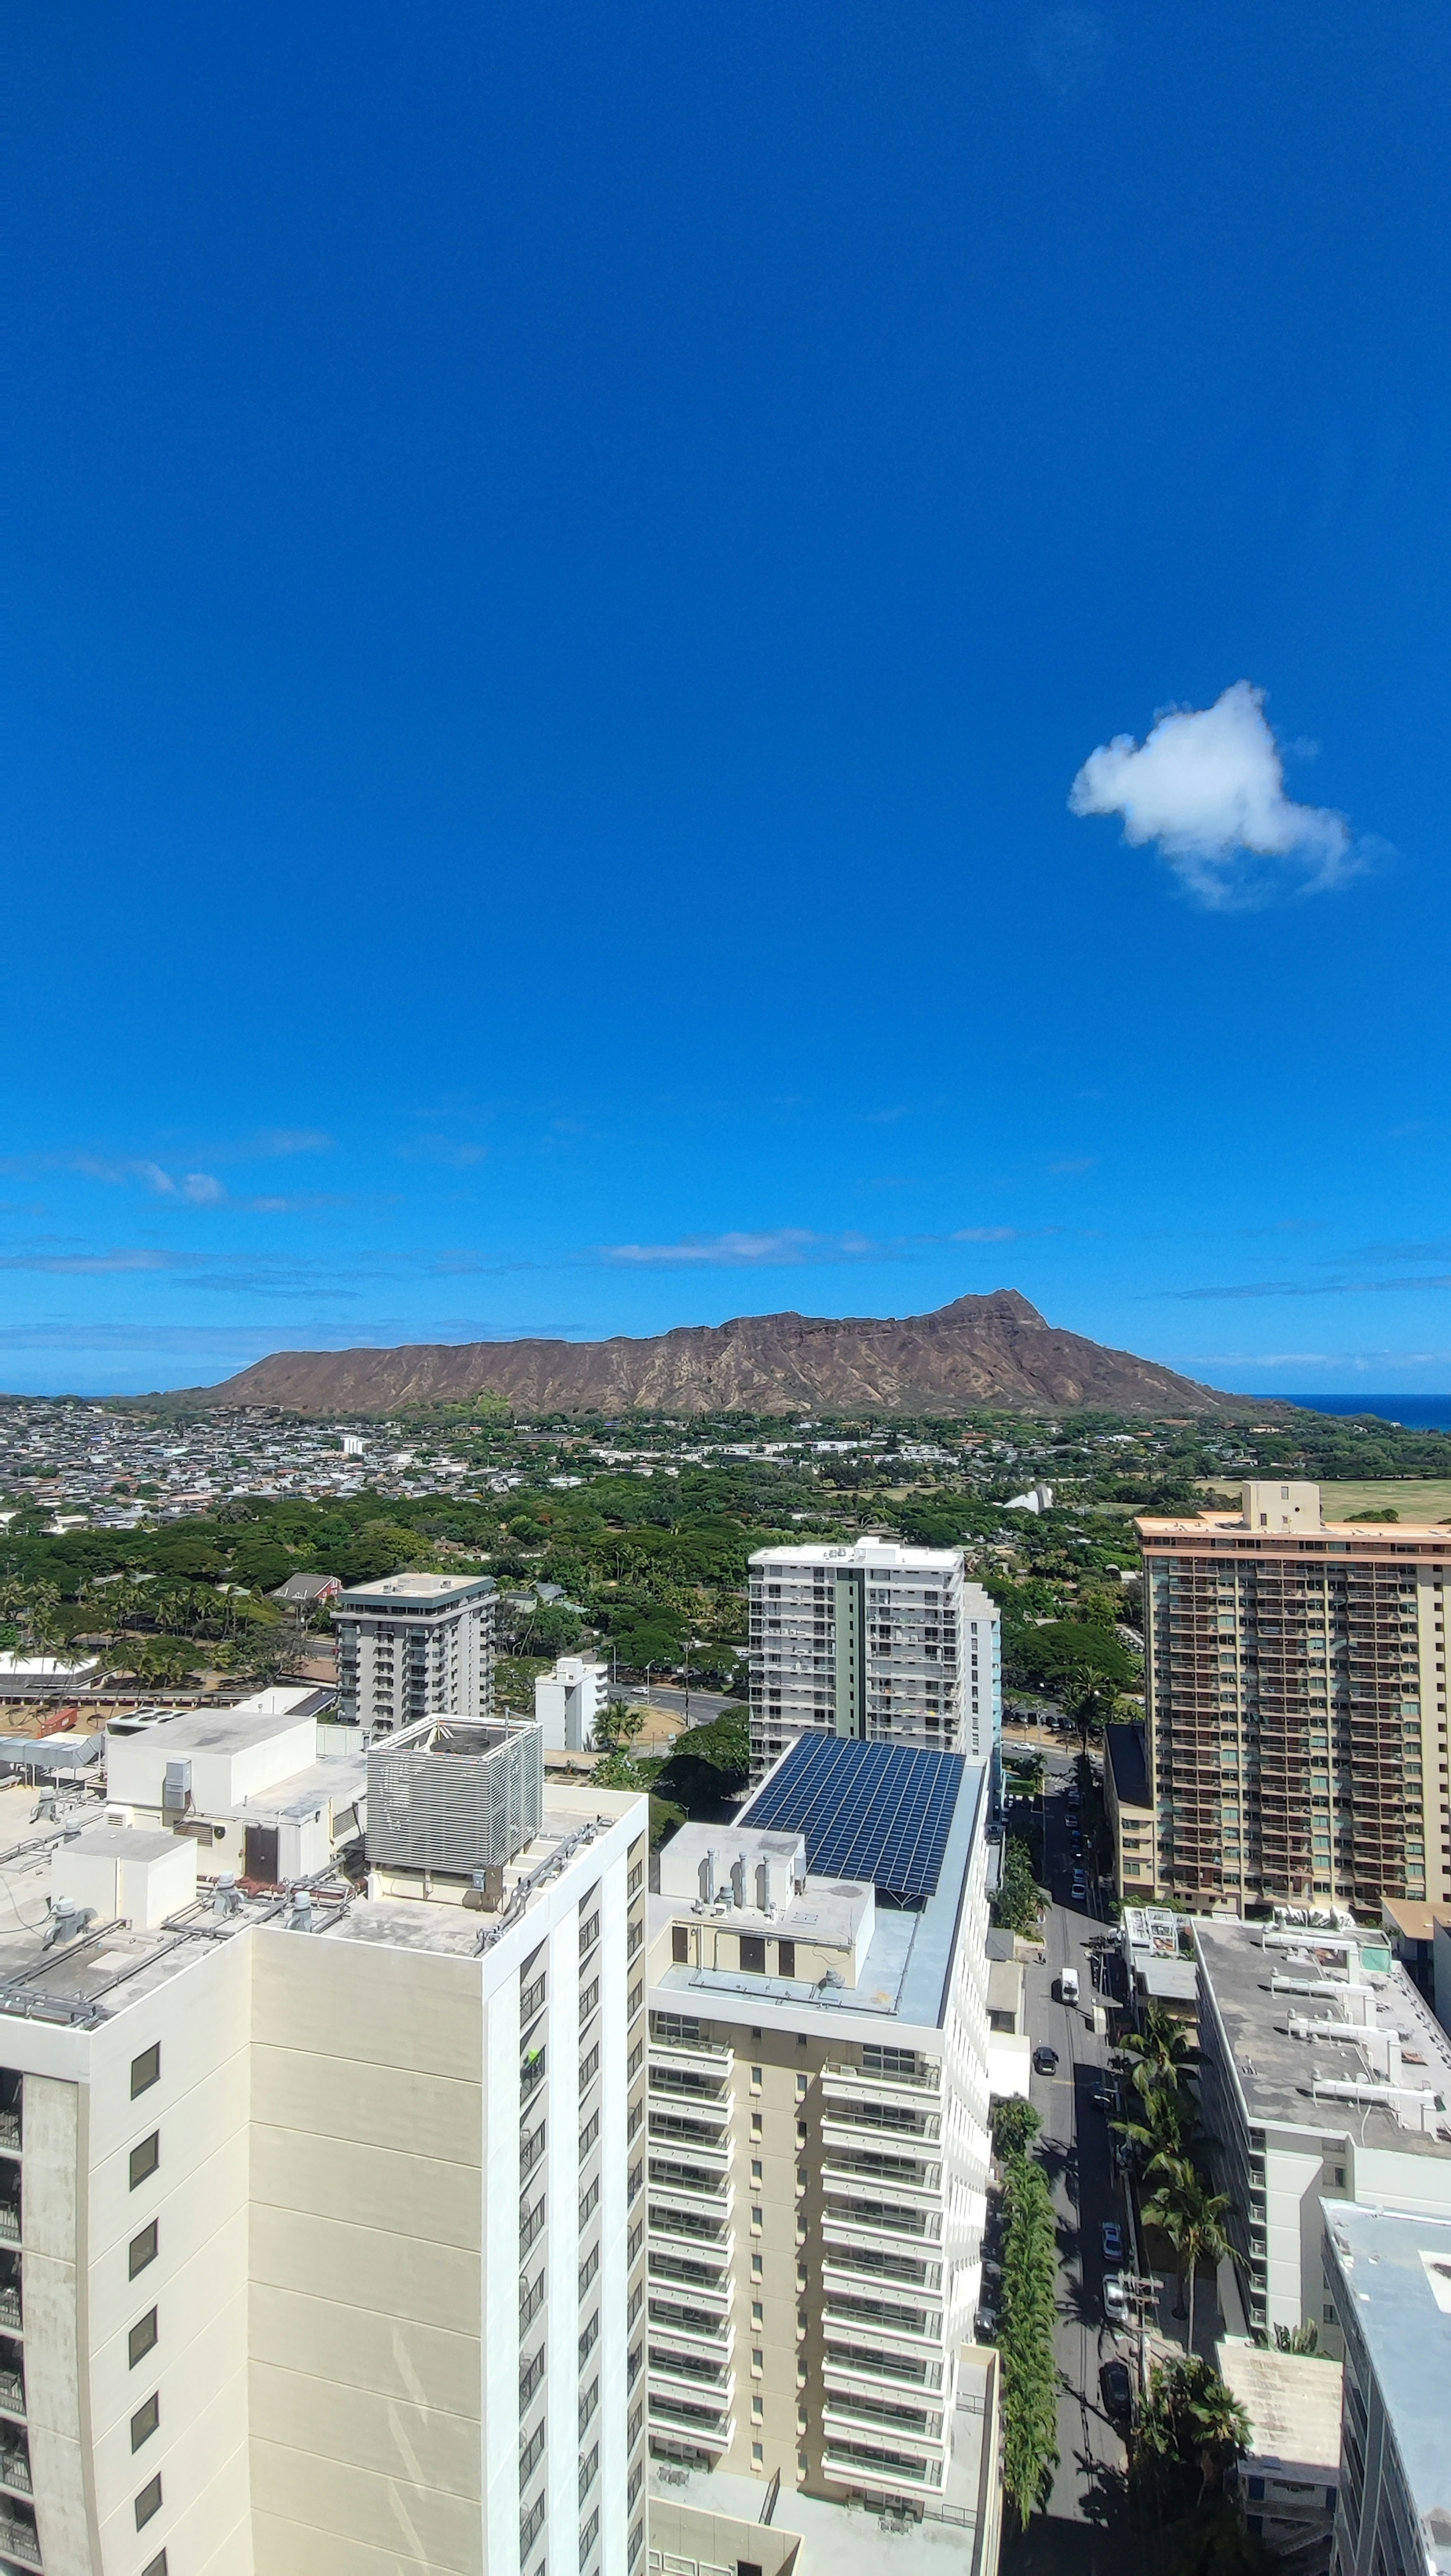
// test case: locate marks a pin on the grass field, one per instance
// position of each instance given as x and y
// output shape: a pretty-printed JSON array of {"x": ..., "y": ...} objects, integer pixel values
[{"x": 1413, "y": 1498}]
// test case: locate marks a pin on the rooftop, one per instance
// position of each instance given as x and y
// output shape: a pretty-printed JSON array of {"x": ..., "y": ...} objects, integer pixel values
[
  {"x": 870, "y": 1811},
  {"x": 420, "y": 1590},
  {"x": 883, "y": 1553},
  {"x": 1292, "y": 2400},
  {"x": 1398, "y": 2273},
  {"x": 1276, "y": 2071},
  {"x": 111, "y": 1966},
  {"x": 907, "y": 1970}
]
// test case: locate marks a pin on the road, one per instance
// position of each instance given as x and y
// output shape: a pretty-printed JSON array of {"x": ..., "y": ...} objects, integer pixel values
[
  {"x": 704, "y": 1704},
  {"x": 1082, "y": 2532}
]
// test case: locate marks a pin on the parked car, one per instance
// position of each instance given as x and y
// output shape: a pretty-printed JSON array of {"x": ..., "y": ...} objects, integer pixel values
[
  {"x": 1104, "y": 2098},
  {"x": 1113, "y": 2240},
  {"x": 1080, "y": 1883},
  {"x": 1117, "y": 2390},
  {"x": 1115, "y": 2299},
  {"x": 1046, "y": 2060}
]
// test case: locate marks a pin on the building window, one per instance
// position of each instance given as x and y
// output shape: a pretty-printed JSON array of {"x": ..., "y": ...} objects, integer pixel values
[
  {"x": 786, "y": 1958},
  {"x": 143, "y": 2248},
  {"x": 146, "y": 2069},
  {"x": 148, "y": 2502},
  {"x": 530, "y": 2526},
  {"x": 680, "y": 1945},
  {"x": 155, "y": 2566},
  {"x": 145, "y": 2421},
  {"x": 145, "y": 2159},
  {"x": 530, "y": 2455},
  {"x": 142, "y": 2337}
]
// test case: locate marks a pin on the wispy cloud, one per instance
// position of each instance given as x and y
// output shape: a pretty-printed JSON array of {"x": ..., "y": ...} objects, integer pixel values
[
  {"x": 457, "y": 1153},
  {"x": 287, "y": 1140},
  {"x": 87, "y": 1264},
  {"x": 1306, "y": 1288},
  {"x": 781, "y": 1245},
  {"x": 195, "y": 1189},
  {"x": 1208, "y": 786}
]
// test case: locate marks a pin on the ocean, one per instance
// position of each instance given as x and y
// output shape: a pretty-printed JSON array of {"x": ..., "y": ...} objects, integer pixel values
[{"x": 1414, "y": 1412}]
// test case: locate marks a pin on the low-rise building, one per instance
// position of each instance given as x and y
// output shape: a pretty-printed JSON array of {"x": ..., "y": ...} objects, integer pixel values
[
  {"x": 1410, "y": 1929},
  {"x": 1289, "y": 2474},
  {"x": 1323, "y": 2077},
  {"x": 1129, "y": 1807},
  {"x": 1390, "y": 2277},
  {"x": 45, "y": 1676},
  {"x": 251, "y": 1784},
  {"x": 568, "y": 1700},
  {"x": 818, "y": 2152}
]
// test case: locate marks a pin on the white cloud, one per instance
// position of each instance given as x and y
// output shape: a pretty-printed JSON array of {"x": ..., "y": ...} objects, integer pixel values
[{"x": 1208, "y": 785}]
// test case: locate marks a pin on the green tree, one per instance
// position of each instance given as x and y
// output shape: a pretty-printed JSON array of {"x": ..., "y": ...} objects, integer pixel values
[
  {"x": 1015, "y": 2124},
  {"x": 1018, "y": 1904},
  {"x": 1193, "y": 2217},
  {"x": 1026, "y": 2330},
  {"x": 616, "y": 1726}
]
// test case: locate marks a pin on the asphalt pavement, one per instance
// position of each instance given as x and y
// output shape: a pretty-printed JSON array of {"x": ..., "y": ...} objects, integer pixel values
[{"x": 1082, "y": 2532}]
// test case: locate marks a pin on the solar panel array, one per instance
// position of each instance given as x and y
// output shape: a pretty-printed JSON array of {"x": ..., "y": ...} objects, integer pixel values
[{"x": 869, "y": 1811}]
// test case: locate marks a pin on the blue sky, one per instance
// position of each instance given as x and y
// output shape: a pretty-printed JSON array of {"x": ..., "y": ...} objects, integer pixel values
[{"x": 563, "y": 566}]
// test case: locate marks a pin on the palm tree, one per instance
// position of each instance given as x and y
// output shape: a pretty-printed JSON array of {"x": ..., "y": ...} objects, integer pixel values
[
  {"x": 1192, "y": 2217},
  {"x": 1221, "y": 2425},
  {"x": 1163, "y": 2126},
  {"x": 1163, "y": 2043}
]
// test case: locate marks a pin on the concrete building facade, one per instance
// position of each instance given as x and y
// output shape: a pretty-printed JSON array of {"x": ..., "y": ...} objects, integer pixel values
[
  {"x": 1296, "y": 1703},
  {"x": 878, "y": 1641},
  {"x": 321, "y": 2217},
  {"x": 1129, "y": 1809},
  {"x": 568, "y": 1700},
  {"x": 818, "y": 2154},
  {"x": 415, "y": 1645}
]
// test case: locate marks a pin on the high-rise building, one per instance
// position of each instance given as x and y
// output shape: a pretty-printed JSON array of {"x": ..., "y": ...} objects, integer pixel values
[
  {"x": 322, "y": 2211},
  {"x": 415, "y": 1645},
  {"x": 883, "y": 1642},
  {"x": 1296, "y": 1704},
  {"x": 1391, "y": 2279},
  {"x": 818, "y": 2140}
]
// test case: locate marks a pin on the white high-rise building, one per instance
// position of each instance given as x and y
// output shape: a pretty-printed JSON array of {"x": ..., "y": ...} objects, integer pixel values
[
  {"x": 884, "y": 1642},
  {"x": 818, "y": 2152},
  {"x": 415, "y": 1645},
  {"x": 322, "y": 2212}
]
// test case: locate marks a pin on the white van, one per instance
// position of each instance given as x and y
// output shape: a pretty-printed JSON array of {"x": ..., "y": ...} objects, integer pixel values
[{"x": 1068, "y": 1986}]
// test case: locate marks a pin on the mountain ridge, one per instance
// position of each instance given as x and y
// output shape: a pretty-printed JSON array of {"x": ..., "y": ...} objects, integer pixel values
[{"x": 979, "y": 1351}]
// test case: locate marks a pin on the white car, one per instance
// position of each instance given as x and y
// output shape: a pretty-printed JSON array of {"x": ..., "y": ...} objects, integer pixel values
[{"x": 1115, "y": 2299}]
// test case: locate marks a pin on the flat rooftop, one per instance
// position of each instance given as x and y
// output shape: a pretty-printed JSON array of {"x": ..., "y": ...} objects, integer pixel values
[
  {"x": 419, "y": 1591},
  {"x": 110, "y": 1967},
  {"x": 905, "y": 1975},
  {"x": 1399, "y": 2274},
  {"x": 880, "y": 1553},
  {"x": 1371, "y": 1536},
  {"x": 1275, "y": 2072},
  {"x": 1292, "y": 2400}
]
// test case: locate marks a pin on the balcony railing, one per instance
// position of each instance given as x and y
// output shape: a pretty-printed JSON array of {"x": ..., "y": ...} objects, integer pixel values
[
  {"x": 17, "y": 2540},
  {"x": 15, "y": 2473},
  {"x": 9, "y": 2222},
  {"x": 12, "y": 2392}
]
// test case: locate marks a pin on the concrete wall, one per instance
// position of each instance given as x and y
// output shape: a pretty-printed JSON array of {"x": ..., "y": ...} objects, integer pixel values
[{"x": 366, "y": 2442}]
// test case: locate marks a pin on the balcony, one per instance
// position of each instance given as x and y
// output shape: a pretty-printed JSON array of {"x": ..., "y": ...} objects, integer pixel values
[
  {"x": 18, "y": 2540},
  {"x": 15, "y": 2472},
  {"x": 858, "y": 2463},
  {"x": 9, "y": 2222},
  {"x": 867, "y": 2373},
  {"x": 711, "y": 2154},
  {"x": 674, "y": 2271},
  {"x": 862, "y": 2084},
  {"x": 704, "y": 2425},
  {"x": 690, "y": 2374},
  {"x": 694, "y": 2228},
  {"x": 701, "y": 2097},
  {"x": 877, "y": 2223},
  {"x": 850, "y": 2134},
  {"x": 693, "y": 2330},
  {"x": 12, "y": 2392},
  {"x": 692, "y": 2185},
  {"x": 916, "y": 2185}
]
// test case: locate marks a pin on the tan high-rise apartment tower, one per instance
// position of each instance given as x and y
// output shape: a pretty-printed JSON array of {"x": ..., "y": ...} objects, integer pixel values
[{"x": 1296, "y": 1704}]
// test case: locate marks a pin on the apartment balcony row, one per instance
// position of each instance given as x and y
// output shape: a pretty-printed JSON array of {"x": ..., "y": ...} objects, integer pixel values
[
  {"x": 704, "y": 2425},
  {"x": 878, "y": 2223},
  {"x": 708, "y": 2096},
  {"x": 707, "y": 2056},
  {"x": 855, "y": 2307},
  {"x": 678, "y": 2185},
  {"x": 856, "y": 2462},
  {"x": 690, "y": 2141},
  {"x": 694, "y": 2329},
  {"x": 683, "y": 2226},
  {"x": 848, "y": 2128},
  {"x": 697, "y": 2275},
  {"x": 857, "y": 2368},
  {"x": 912, "y": 2186},
  {"x": 853, "y": 2084}
]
